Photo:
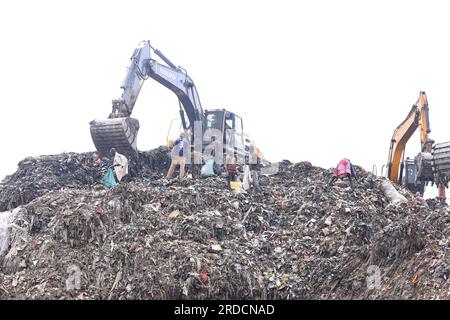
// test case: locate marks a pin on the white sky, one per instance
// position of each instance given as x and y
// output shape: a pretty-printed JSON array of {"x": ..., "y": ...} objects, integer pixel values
[{"x": 313, "y": 80}]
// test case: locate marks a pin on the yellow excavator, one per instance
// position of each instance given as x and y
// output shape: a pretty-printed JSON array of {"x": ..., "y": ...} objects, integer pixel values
[{"x": 432, "y": 164}]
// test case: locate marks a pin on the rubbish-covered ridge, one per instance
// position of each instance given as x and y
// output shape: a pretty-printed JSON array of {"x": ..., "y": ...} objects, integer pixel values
[{"x": 66, "y": 237}]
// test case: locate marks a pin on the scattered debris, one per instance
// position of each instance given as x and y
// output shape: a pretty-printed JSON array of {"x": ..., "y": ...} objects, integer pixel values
[
  {"x": 37, "y": 176},
  {"x": 195, "y": 239}
]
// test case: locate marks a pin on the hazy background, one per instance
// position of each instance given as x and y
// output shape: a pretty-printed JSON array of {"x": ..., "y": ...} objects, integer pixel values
[{"x": 313, "y": 80}]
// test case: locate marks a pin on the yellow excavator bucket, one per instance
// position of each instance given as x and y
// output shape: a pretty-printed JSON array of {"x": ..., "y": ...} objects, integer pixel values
[{"x": 118, "y": 133}]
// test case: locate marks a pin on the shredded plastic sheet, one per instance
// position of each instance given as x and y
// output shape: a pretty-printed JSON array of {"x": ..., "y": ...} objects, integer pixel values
[
  {"x": 6, "y": 219},
  {"x": 120, "y": 166},
  {"x": 391, "y": 193}
]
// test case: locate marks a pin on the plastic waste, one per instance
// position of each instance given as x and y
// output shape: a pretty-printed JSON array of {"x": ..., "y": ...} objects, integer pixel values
[
  {"x": 208, "y": 169},
  {"x": 109, "y": 181}
]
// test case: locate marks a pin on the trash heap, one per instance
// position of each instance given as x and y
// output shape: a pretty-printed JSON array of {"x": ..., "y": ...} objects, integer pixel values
[
  {"x": 37, "y": 176},
  {"x": 195, "y": 239}
]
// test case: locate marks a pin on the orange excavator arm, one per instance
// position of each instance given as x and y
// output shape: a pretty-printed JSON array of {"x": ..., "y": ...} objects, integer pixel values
[{"x": 418, "y": 116}]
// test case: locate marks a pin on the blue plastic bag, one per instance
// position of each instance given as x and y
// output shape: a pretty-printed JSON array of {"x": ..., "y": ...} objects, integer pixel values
[{"x": 109, "y": 181}]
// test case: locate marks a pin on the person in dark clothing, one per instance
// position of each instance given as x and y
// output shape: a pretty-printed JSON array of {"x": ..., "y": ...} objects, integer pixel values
[
  {"x": 231, "y": 168},
  {"x": 254, "y": 173},
  {"x": 99, "y": 167}
]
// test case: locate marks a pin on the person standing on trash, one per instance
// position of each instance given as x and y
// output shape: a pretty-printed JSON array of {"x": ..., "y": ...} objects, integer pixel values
[
  {"x": 247, "y": 181},
  {"x": 120, "y": 164},
  {"x": 100, "y": 164},
  {"x": 231, "y": 169},
  {"x": 420, "y": 200},
  {"x": 344, "y": 169},
  {"x": 254, "y": 174},
  {"x": 101, "y": 170},
  {"x": 254, "y": 168},
  {"x": 178, "y": 155},
  {"x": 216, "y": 154}
]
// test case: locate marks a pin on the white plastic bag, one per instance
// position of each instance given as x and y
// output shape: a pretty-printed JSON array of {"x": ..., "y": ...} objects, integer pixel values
[
  {"x": 247, "y": 180},
  {"x": 208, "y": 168},
  {"x": 391, "y": 193},
  {"x": 6, "y": 219},
  {"x": 121, "y": 169}
]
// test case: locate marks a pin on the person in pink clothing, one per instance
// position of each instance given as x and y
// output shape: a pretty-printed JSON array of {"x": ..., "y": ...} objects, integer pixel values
[{"x": 344, "y": 169}]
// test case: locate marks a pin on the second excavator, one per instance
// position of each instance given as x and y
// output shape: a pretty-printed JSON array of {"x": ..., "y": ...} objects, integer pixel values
[
  {"x": 120, "y": 130},
  {"x": 431, "y": 164}
]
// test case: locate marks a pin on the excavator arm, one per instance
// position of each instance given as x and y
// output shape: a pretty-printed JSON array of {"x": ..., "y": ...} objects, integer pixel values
[
  {"x": 417, "y": 117},
  {"x": 120, "y": 130},
  {"x": 432, "y": 164}
]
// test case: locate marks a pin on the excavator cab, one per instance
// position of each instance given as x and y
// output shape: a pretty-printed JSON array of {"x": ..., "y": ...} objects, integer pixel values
[
  {"x": 410, "y": 179},
  {"x": 230, "y": 127}
]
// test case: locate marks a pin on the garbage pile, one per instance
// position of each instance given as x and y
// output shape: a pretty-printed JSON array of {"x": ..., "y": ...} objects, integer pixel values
[
  {"x": 37, "y": 176},
  {"x": 195, "y": 239}
]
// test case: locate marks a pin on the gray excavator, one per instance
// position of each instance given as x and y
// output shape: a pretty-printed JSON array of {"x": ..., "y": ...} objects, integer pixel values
[{"x": 120, "y": 131}]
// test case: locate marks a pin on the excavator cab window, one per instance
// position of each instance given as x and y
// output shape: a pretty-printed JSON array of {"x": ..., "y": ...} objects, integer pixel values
[
  {"x": 229, "y": 125},
  {"x": 210, "y": 121},
  {"x": 234, "y": 122},
  {"x": 239, "y": 133},
  {"x": 229, "y": 122},
  {"x": 238, "y": 125},
  {"x": 214, "y": 121}
]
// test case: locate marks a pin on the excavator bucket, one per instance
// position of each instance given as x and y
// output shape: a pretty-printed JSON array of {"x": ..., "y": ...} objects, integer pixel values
[{"x": 118, "y": 133}]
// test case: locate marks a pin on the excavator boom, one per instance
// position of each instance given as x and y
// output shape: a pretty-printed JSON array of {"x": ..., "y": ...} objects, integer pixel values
[
  {"x": 119, "y": 130},
  {"x": 417, "y": 116}
]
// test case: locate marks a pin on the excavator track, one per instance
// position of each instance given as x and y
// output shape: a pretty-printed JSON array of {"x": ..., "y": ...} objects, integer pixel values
[{"x": 118, "y": 133}]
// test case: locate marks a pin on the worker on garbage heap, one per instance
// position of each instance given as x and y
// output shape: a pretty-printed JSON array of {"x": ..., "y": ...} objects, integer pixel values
[
  {"x": 255, "y": 167},
  {"x": 178, "y": 155},
  {"x": 215, "y": 152},
  {"x": 420, "y": 200},
  {"x": 99, "y": 166},
  {"x": 441, "y": 192},
  {"x": 101, "y": 163},
  {"x": 120, "y": 164},
  {"x": 231, "y": 168},
  {"x": 344, "y": 169}
]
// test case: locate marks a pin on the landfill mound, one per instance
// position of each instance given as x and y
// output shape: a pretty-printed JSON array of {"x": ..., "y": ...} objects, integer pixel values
[
  {"x": 37, "y": 176},
  {"x": 195, "y": 239}
]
